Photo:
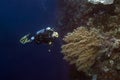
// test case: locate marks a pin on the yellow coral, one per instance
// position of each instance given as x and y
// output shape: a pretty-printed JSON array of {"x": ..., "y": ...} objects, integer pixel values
[{"x": 82, "y": 47}]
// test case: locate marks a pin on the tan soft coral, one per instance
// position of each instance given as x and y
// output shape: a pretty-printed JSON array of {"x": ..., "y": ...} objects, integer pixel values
[
  {"x": 93, "y": 52},
  {"x": 82, "y": 47}
]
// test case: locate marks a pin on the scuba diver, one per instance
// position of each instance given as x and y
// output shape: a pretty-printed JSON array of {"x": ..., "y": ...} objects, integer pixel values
[{"x": 46, "y": 36}]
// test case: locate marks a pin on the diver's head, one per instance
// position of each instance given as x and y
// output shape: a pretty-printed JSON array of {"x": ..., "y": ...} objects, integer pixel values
[{"x": 55, "y": 34}]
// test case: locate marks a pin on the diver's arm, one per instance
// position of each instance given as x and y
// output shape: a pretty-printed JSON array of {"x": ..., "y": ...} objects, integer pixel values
[{"x": 40, "y": 31}]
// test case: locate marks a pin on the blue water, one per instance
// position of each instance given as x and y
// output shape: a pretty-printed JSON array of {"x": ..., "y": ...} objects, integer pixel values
[{"x": 28, "y": 62}]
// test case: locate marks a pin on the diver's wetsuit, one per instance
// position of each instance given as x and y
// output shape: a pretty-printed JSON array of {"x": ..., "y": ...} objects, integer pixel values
[
  {"x": 47, "y": 36},
  {"x": 44, "y": 37}
]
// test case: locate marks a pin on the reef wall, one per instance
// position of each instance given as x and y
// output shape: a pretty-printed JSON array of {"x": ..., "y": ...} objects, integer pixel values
[{"x": 92, "y": 38}]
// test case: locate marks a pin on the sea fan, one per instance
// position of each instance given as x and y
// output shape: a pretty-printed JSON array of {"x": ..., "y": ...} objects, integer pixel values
[{"x": 82, "y": 47}]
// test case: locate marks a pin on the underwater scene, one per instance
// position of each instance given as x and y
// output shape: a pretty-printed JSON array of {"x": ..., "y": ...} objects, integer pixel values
[{"x": 60, "y": 40}]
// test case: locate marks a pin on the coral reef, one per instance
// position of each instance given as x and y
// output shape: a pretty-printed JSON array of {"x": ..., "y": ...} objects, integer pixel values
[
  {"x": 94, "y": 47},
  {"x": 93, "y": 52},
  {"x": 76, "y": 13}
]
